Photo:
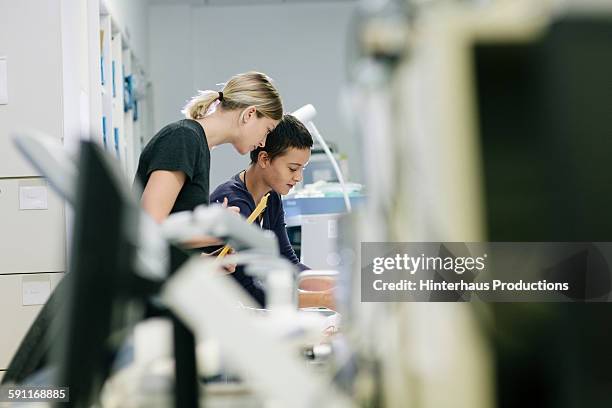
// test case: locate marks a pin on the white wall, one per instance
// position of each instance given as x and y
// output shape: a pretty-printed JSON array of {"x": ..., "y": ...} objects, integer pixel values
[
  {"x": 171, "y": 61},
  {"x": 131, "y": 16},
  {"x": 301, "y": 46}
]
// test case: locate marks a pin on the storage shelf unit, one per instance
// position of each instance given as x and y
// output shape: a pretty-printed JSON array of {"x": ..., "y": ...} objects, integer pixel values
[{"x": 124, "y": 89}]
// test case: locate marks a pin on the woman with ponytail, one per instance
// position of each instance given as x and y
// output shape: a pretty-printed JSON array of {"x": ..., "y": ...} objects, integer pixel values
[{"x": 174, "y": 166}]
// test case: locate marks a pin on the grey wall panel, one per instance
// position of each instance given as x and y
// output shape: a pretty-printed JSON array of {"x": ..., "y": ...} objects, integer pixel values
[{"x": 302, "y": 46}]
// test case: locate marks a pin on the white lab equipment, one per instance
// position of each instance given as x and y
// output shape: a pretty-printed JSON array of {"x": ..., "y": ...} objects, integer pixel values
[
  {"x": 218, "y": 222},
  {"x": 306, "y": 114},
  {"x": 197, "y": 290},
  {"x": 312, "y": 216}
]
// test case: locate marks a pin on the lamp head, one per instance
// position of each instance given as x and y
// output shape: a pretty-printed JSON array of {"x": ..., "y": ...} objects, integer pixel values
[{"x": 305, "y": 114}]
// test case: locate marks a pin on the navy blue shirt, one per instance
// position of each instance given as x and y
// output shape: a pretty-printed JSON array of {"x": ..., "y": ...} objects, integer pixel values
[{"x": 273, "y": 217}]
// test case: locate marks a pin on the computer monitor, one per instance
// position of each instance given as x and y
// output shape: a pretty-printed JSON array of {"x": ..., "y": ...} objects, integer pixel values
[
  {"x": 545, "y": 137},
  {"x": 106, "y": 295},
  {"x": 102, "y": 297},
  {"x": 545, "y": 133}
]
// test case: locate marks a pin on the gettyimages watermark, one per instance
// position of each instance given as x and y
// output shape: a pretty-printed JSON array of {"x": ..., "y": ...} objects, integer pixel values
[{"x": 489, "y": 272}]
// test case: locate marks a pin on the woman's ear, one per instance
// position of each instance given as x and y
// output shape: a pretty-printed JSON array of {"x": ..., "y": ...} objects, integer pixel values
[
  {"x": 247, "y": 114},
  {"x": 263, "y": 159}
]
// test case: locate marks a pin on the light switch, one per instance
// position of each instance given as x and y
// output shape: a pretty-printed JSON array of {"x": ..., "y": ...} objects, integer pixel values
[
  {"x": 36, "y": 290},
  {"x": 3, "y": 82},
  {"x": 33, "y": 198}
]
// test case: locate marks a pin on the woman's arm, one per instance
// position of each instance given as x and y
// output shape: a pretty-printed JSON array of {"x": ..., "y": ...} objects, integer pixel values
[
  {"x": 161, "y": 192},
  {"x": 159, "y": 197}
]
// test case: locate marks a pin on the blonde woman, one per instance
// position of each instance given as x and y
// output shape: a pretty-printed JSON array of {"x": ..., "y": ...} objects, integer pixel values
[{"x": 174, "y": 166}]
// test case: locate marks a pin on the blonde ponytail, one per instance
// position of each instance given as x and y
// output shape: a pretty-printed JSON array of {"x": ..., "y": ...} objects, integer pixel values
[
  {"x": 242, "y": 90},
  {"x": 197, "y": 106}
]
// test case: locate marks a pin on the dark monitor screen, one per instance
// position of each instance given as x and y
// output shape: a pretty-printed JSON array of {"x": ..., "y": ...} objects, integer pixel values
[
  {"x": 546, "y": 133},
  {"x": 546, "y": 137},
  {"x": 100, "y": 302}
]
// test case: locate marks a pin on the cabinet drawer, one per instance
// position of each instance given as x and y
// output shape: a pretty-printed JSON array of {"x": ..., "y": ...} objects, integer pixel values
[
  {"x": 31, "y": 240},
  {"x": 15, "y": 318}
]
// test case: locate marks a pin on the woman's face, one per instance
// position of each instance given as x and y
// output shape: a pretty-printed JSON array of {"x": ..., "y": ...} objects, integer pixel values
[
  {"x": 253, "y": 131},
  {"x": 283, "y": 172}
]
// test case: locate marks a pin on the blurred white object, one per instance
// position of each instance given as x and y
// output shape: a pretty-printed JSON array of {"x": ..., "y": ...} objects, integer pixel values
[
  {"x": 49, "y": 158},
  {"x": 324, "y": 188},
  {"x": 197, "y": 290},
  {"x": 218, "y": 222}
]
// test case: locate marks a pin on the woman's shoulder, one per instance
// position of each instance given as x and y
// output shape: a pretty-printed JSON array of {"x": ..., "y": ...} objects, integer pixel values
[
  {"x": 183, "y": 126},
  {"x": 177, "y": 134}
]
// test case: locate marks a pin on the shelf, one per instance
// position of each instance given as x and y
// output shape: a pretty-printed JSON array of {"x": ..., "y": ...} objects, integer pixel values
[{"x": 118, "y": 103}]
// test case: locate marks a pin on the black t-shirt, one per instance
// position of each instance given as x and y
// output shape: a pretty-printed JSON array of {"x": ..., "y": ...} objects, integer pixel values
[{"x": 179, "y": 146}]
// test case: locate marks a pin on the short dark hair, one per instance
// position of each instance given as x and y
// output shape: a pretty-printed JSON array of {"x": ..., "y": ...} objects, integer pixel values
[{"x": 289, "y": 133}]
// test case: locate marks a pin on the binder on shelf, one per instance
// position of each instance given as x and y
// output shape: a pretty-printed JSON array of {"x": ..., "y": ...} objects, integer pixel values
[
  {"x": 102, "y": 56},
  {"x": 104, "y": 132},
  {"x": 128, "y": 98},
  {"x": 102, "y": 68},
  {"x": 117, "y": 142},
  {"x": 113, "y": 73}
]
